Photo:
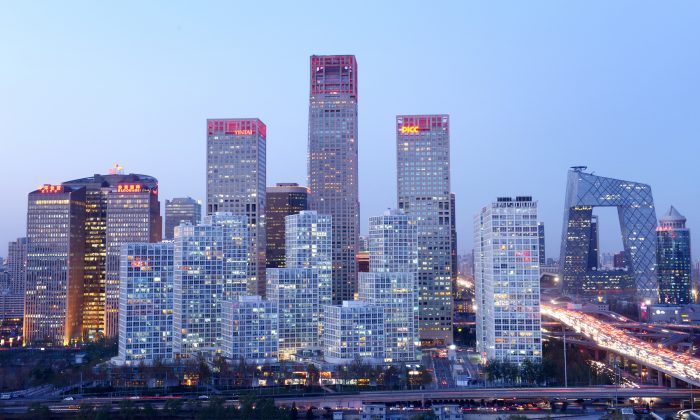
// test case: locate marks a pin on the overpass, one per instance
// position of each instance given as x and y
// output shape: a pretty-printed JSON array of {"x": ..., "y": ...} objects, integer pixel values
[{"x": 677, "y": 365}]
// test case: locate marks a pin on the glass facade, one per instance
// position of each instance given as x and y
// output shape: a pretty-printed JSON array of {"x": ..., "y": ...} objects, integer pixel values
[
  {"x": 353, "y": 331},
  {"x": 249, "y": 330},
  {"x": 673, "y": 259},
  {"x": 283, "y": 200},
  {"x": 332, "y": 164},
  {"x": 635, "y": 207},
  {"x": 182, "y": 209},
  {"x": 423, "y": 175}
]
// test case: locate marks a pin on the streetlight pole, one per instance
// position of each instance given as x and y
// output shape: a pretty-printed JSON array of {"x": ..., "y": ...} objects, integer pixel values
[{"x": 566, "y": 371}]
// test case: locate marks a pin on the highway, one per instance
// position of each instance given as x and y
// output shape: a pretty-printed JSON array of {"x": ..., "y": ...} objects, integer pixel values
[{"x": 678, "y": 365}]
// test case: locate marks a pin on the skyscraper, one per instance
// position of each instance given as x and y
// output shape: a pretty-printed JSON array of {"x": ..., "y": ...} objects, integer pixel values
[
  {"x": 181, "y": 209},
  {"x": 146, "y": 303},
  {"x": 635, "y": 207},
  {"x": 332, "y": 165},
  {"x": 283, "y": 199},
  {"x": 540, "y": 235},
  {"x": 391, "y": 282},
  {"x": 16, "y": 271},
  {"x": 249, "y": 330},
  {"x": 236, "y": 180},
  {"x": 55, "y": 247},
  {"x": 211, "y": 266},
  {"x": 507, "y": 281},
  {"x": 352, "y": 331},
  {"x": 673, "y": 260},
  {"x": 132, "y": 217},
  {"x": 423, "y": 169}
]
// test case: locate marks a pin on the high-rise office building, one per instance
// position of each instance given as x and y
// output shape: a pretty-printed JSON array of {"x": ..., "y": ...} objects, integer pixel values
[
  {"x": 635, "y": 207},
  {"x": 423, "y": 169},
  {"x": 249, "y": 330},
  {"x": 55, "y": 247},
  {"x": 236, "y": 180},
  {"x": 507, "y": 281},
  {"x": 391, "y": 282},
  {"x": 211, "y": 266},
  {"x": 146, "y": 303},
  {"x": 181, "y": 209},
  {"x": 133, "y": 216},
  {"x": 137, "y": 212},
  {"x": 453, "y": 236},
  {"x": 620, "y": 260},
  {"x": 284, "y": 199},
  {"x": 540, "y": 235},
  {"x": 16, "y": 265},
  {"x": 673, "y": 259},
  {"x": 332, "y": 166},
  {"x": 352, "y": 331}
]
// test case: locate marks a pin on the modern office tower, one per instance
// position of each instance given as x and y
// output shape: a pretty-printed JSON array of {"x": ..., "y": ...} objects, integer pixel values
[
  {"x": 507, "y": 283},
  {"x": 295, "y": 292},
  {"x": 146, "y": 303},
  {"x": 284, "y": 199},
  {"x": 236, "y": 179},
  {"x": 181, "y": 209},
  {"x": 16, "y": 265},
  {"x": 620, "y": 260},
  {"x": 453, "y": 236},
  {"x": 362, "y": 262},
  {"x": 635, "y": 208},
  {"x": 133, "y": 216},
  {"x": 352, "y": 331},
  {"x": 249, "y": 330},
  {"x": 211, "y": 266},
  {"x": 133, "y": 198},
  {"x": 593, "y": 248},
  {"x": 391, "y": 282},
  {"x": 600, "y": 282},
  {"x": 540, "y": 235},
  {"x": 332, "y": 165},
  {"x": 673, "y": 260},
  {"x": 55, "y": 247},
  {"x": 363, "y": 244},
  {"x": 423, "y": 169}
]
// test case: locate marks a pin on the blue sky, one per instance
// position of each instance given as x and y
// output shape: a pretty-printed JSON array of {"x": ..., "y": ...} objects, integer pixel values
[{"x": 531, "y": 87}]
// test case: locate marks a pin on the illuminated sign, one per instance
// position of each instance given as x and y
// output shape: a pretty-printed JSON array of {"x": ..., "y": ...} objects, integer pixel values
[
  {"x": 129, "y": 188},
  {"x": 248, "y": 132},
  {"x": 237, "y": 127},
  {"x": 50, "y": 188},
  {"x": 410, "y": 129}
]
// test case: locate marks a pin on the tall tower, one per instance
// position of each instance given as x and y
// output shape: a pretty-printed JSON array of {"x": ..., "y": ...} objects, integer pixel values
[
  {"x": 17, "y": 271},
  {"x": 283, "y": 200},
  {"x": 236, "y": 177},
  {"x": 423, "y": 170},
  {"x": 332, "y": 165},
  {"x": 507, "y": 281},
  {"x": 673, "y": 261},
  {"x": 181, "y": 209},
  {"x": 55, "y": 246}
]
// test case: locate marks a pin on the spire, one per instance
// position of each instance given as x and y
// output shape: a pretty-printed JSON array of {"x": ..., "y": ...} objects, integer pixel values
[{"x": 672, "y": 219}]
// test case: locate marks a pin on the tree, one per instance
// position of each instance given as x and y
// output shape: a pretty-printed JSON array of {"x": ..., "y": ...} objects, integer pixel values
[
  {"x": 294, "y": 414},
  {"x": 312, "y": 375}
]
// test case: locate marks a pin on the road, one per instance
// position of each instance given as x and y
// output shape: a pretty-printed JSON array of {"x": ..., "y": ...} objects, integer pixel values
[{"x": 678, "y": 365}]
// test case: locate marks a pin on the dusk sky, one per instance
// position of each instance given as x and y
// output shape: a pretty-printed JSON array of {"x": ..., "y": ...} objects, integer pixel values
[{"x": 532, "y": 88}]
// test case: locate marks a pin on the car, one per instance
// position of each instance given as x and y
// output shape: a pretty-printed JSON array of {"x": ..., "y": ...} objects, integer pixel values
[
  {"x": 203, "y": 397},
  {"x": 68, "y": 399}
]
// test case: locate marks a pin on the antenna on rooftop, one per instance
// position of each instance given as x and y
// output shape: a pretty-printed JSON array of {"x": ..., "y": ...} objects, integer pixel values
[{"x": 117, "y": 169}]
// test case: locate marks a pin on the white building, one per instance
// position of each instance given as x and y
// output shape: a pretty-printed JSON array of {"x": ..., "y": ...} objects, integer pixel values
[
  {"x": 146, "y": 303},
  {"x": 391, "y": 282},
  {"x": 249, "y": 329},
  {"x": 353, "y": 330},
  {"x": 506, "y": 256},
  {"x": 373, "y": 412},
  {"x": 210, "y": 267}
]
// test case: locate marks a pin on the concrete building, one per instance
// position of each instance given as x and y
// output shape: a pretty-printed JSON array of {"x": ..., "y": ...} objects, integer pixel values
[
  {"x": 249, "y": 330},
  {"x": 181, "y": 209},
  {"x": 236, "y": 183},
  {"x": 332, "y": 165},
  {"x": 507, "y": 283},
  {"x": 423, "y": 169},
  {"x": 284, "y": 199},
  {"x": 146, "y": 303},
  {"x": 352, "y": 331},
  {"x": 13, "y": 293},
  {"x": 673, "y": 259}
]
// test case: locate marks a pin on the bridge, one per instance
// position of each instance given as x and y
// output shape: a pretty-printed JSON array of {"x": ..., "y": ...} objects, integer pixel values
[{"x": 677, "y": 365}]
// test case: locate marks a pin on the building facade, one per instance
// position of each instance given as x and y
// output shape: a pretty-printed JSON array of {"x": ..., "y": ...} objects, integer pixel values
[
  {"x": 54, "y": 277},
  {"x": 352, "y": 331},
  {"x": 249, "y": 330},
  {"x": 16, "y": 265},
  {"x": 211, "y": 266},
  {"x": 332, "y": 165},
  {"x": 146, "y": 303},
  {"x": 391, "y": 283},
  {"x": 181, "y": 209},
  {"x": 507, "y": 281},
  {"x": 635, "y": 207},
  {"x": 284, "y": 199},
  {"x": 673, "y": 259},
  {"x": 423, "y": 170},
  {"x": 236, "y": 183}
]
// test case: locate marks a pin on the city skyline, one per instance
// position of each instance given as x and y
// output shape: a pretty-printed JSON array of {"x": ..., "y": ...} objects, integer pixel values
[{"x": 481, "y": 113}]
